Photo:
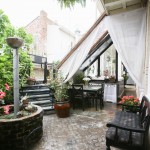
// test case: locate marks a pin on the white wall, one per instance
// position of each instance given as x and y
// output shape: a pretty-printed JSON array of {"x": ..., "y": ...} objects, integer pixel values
[{"x": 58, "y": 43}]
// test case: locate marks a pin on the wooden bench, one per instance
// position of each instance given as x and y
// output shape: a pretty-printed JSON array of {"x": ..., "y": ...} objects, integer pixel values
[{"x": 129, "y": 130}]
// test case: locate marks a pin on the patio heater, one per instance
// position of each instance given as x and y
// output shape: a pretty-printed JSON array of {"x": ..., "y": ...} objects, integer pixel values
[{"x": 15, "y": 43}]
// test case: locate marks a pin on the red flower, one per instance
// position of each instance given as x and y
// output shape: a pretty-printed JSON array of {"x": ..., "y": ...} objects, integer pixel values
[
  {"x": 131, "y": 97},
  {"x": 129, "y": 100},
  {"x": 2, "y": 94},
  {"x": 7, "y": 87}
]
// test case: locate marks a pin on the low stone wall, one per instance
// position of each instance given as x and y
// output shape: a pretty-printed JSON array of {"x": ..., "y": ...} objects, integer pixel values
[{"x": 17, "y": 134}]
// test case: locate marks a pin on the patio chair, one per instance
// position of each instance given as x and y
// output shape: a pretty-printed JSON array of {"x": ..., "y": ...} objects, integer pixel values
[
  {"x": 99, "y": 96},
  {"x": 78, "y": 96}
]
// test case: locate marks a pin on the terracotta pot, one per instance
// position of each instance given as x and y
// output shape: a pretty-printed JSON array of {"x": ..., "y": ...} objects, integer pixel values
[{"x": 62, "y": 109}]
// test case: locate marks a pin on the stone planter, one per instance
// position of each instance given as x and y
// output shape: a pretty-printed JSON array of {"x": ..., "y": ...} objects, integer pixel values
[
  {"x": 62, "y": 109},
  {"x": 17, "y": 134}
]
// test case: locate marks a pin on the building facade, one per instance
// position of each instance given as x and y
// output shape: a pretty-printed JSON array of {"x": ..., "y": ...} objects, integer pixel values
[{"x": 51, "y": 40}]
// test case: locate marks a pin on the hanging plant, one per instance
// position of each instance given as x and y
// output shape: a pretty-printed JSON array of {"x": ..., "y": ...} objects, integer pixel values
[{"x": 70, "y": 3}]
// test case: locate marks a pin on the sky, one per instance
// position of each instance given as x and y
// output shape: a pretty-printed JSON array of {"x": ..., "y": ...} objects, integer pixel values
[{"x": 22, "y": 12}]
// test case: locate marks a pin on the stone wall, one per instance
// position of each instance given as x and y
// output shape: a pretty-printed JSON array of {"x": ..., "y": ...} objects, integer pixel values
[{"x": 17, "y": 134}]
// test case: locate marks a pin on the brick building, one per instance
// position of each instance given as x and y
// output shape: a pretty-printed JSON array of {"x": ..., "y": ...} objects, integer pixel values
[{"x": 50, "y": 39}]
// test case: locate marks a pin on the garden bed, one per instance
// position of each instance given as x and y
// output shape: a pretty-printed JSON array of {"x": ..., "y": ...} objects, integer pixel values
[{"x": 19, "y": 133}]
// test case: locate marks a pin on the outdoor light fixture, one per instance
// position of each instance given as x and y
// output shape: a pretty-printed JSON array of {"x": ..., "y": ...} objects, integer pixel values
[{"x": 15, "y": 43}]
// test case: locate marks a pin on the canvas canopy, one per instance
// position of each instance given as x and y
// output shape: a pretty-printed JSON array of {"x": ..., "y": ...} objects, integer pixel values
[{"x": 128, "y": 33}]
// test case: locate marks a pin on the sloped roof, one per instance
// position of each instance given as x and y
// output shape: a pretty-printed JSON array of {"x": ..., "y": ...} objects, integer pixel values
[
  {"x": 98, "y": 50},
  {"x": 83, "y": 38}
]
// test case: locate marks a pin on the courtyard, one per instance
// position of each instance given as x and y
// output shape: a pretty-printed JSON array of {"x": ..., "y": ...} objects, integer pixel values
[
  {"x": 83, "y": 130},
  {"x": 101, "y": 59}
]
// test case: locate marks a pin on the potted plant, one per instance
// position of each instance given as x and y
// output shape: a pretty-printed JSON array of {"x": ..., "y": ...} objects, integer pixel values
[
  {"x": 130, "y": 103},
  {"x": 112, "y": 79},
  {"x": 60, "y": 91},
  {"x": 125, "y": 77},
  {"x": 78, "y": 78}
]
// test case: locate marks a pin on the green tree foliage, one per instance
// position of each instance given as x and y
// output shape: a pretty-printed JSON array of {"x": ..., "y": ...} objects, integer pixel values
[
  {"x": 6, "y": 58},
  {"x": 69, "y": 3}
]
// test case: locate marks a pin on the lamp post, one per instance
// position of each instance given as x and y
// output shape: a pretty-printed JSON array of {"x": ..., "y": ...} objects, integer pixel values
[{"x": 15, "y": 43}]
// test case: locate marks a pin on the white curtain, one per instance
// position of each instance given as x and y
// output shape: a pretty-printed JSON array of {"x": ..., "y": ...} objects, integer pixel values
[
  {"x": 72, "y": 64},
  {"x": 148, "y": 50},
  {"x": 128, "y": 33}
]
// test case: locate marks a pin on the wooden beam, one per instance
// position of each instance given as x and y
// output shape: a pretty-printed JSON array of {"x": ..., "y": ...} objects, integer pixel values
[
  {"x": 116, "y": 66},
  {"x": 124, "y": 5},
  {"x": 98, "y": 56},
  {"x": 82, "y": 39},
  {"x": 120, "y": 2},
  {"x": 98, "y": 66},
  {"x": 103, "y": 35},
  {"x": 99, "y": 43}
]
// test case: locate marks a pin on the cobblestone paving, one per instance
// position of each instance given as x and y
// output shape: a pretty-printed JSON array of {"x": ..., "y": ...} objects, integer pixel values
[{"x": 83, "y": 130}]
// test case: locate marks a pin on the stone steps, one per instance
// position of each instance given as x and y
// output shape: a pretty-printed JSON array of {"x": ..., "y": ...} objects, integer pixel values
[
  {"x": 40, "y": 95},
  {"x": 41, "y": 102},
  {"x": 36, "y": 90}
]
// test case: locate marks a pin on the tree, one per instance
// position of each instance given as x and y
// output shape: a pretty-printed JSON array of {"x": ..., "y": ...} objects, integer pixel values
[
  {"x": 69, "y": 3},
  {"x": 6, "y": 58}
]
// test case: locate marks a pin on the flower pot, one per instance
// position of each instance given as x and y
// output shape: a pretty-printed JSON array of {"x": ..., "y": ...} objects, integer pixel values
[
  {"x": 131, "y": 109},
  {"x": 62, "y": 109}
]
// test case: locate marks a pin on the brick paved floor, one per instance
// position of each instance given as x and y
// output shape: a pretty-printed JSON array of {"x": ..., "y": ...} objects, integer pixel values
[{"x": 83, "y": 130}]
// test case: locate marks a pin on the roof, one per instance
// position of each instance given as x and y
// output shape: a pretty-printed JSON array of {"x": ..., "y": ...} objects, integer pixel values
[{"x": 117, "y": 6}]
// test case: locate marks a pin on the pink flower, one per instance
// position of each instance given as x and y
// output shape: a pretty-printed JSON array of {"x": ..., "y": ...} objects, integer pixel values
[
  {"x": 6, "y": 109},
  {"x": 7, "y": 87},
  {"x": 131, "y": 97},
  {"x": 121, "y": 102},
  {"x": 2, "y": 95}
]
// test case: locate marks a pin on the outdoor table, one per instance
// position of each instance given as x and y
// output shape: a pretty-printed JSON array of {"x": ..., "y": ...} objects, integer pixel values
[{"x": 95, "y": 90}]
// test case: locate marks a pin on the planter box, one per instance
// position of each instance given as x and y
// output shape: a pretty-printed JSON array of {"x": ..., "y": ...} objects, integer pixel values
[{"x": 17, "y": 134}]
